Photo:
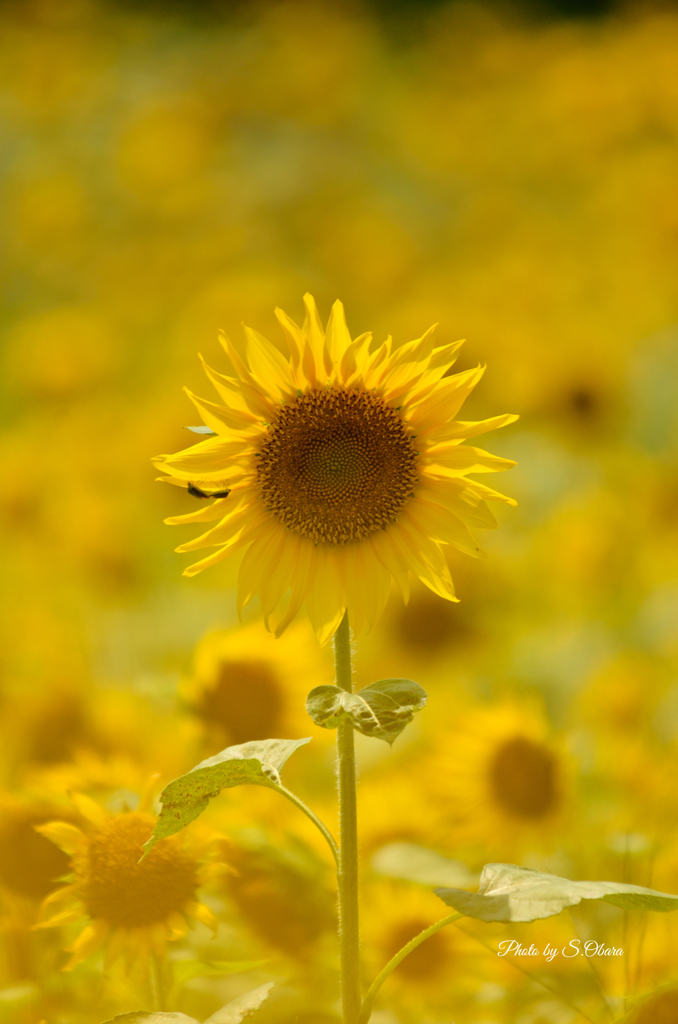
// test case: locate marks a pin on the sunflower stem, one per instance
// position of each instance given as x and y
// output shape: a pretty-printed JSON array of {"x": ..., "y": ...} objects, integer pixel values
[
  {"x": 368, "y": 1002},
  {"x": 155, "y": 974},
  {"x": 349, "y": 930}
]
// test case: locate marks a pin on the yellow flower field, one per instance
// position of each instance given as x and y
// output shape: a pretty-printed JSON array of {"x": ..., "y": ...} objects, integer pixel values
[{"x": 172, "y": 170}]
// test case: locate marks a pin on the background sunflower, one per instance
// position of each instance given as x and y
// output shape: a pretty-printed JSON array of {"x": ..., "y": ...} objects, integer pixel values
[{"x": 507, "y": 171}]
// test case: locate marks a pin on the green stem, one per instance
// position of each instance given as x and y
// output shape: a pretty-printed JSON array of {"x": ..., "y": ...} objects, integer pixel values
[
  {"x": 349, "y": 931},
  {"x": 320, "y": 825},
  {"x": 366, "y": 1009},
  {"x": 155, "y": 972}
]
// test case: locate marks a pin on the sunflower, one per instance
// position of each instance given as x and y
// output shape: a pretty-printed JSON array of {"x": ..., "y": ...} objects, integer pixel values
[
  {"x": 500, "y": 781},
  {"x": 280, "y": 891},
  {"x": 447, "y": 968},
  {"x": 246, "y": 686},
  {"x": 660, "y": 1008},
  {"x": 128, "y": 907},
  {"x": 340, "y": 469}
]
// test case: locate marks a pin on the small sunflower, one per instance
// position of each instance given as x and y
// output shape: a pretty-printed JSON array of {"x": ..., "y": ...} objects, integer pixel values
[
  {"x": 340, "y": 470},
  {"x": 128, "y": 907},
  {"x": 246, "y": 686},
  {"x": 500, "y": 780},
  {"x": 447, "y": 966},
  {"x": 280, "y": 892}
]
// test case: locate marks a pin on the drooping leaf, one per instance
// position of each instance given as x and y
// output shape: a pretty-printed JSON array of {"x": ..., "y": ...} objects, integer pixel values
[
  {"x": 257, "y": 763},
  {"x": 149, "y": 1017},
  {"x": 511, "y": 893},
  {"x": 236, "y": 1011},
  {"x": 413, "y": 863},
  {"x": 233, "y": 1013},
  {"x": 381, "y": 710}
]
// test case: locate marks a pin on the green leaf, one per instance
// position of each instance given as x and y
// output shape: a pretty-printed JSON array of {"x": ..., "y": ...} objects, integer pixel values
[
  {"x": 257, "y": 763},
  {"x": 381, "y": 710},
  {"x": 184, "y": 970},
  {"x": 148, "y": 1017},
  {"x": 233, "y": 1013},
  {"x": 236, "y": 1011},
  {"x": 511, "y": 893},
  {"x": 413, "y": 863}
]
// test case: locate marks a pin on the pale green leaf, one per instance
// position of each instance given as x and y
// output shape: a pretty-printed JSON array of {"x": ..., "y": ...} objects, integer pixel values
[
  {"x": 381, "y": 710},
  {"x": 149, "y": 1017},
  {"x": 256, "y": 763},
  {"x": 511, "y": 893},
  {"x": 236, "y": 1011},
  {"x": 413, "y": 863}
]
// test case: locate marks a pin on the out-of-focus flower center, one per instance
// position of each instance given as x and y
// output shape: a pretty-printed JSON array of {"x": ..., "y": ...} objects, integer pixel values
[
  {"x": 115, "y": 888},
  {"x": 287, "y": 909},
  {"x": 30, "y": 864},
  {"x": 661, "y": 1009},
  {"x": 336, "y": 465},
  {"x": 424, "y": 962},
  {"x": 524, "y": 778},
  {"x": 245, "y": 700}
]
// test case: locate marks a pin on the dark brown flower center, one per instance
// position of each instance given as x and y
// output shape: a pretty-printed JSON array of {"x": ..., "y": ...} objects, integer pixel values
[
  {"x": 524, "y": 778},
  {"x": 336, "y": 465},
  {"x": 287, "y": 908},
  {"x": 115, "y": 888},
  {"x": 244, "y": 701}
]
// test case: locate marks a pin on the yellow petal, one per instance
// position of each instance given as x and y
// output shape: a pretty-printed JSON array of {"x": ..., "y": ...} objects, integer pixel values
[
  {"x": 203, "y": 914},
  {"x": 91, "y": 939},
  {"x": 337, "y": 337},
  {"x": 221, "y": 418},
  {"x": 462, "y": 458},
  {"x": 446, "y": 400},
  {"x": 326, "y": 601},
  {"x": 90, "y": 809},
  {"x": 68, "y": 837},
  {"x": 465, "y": 428},
  {"x": 268, "y": 366},
  {"x": 63, "y": 917}
]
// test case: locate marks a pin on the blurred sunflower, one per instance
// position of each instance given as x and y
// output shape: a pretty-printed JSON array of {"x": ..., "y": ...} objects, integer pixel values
[
  {"x": 500, "y": 780},
  {"x": 245, "y": 686},
  {"x": 280, "y": 891},
  {"x": 339, "y": 468},
  {"x": 660, "y": 1008},
  {"x": 448, "y": 965},
  {"x": 130, "y": 908}
]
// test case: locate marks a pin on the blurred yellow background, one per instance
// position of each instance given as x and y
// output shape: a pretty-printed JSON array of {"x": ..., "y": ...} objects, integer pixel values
[{"x": 510, "y": 174}]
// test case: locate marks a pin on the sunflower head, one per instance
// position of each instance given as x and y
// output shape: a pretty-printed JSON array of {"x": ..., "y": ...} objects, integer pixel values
[
  {"x": 339, "y": 468},
  {"x": 281, "y": 896},
  {"x": 446, "y": 968},
  {"x": 243, "y": 684},
  {"x": 130, "y": 907},
  {"x": 114, "y": 887},
  {"x": 504, "y": 778}
]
